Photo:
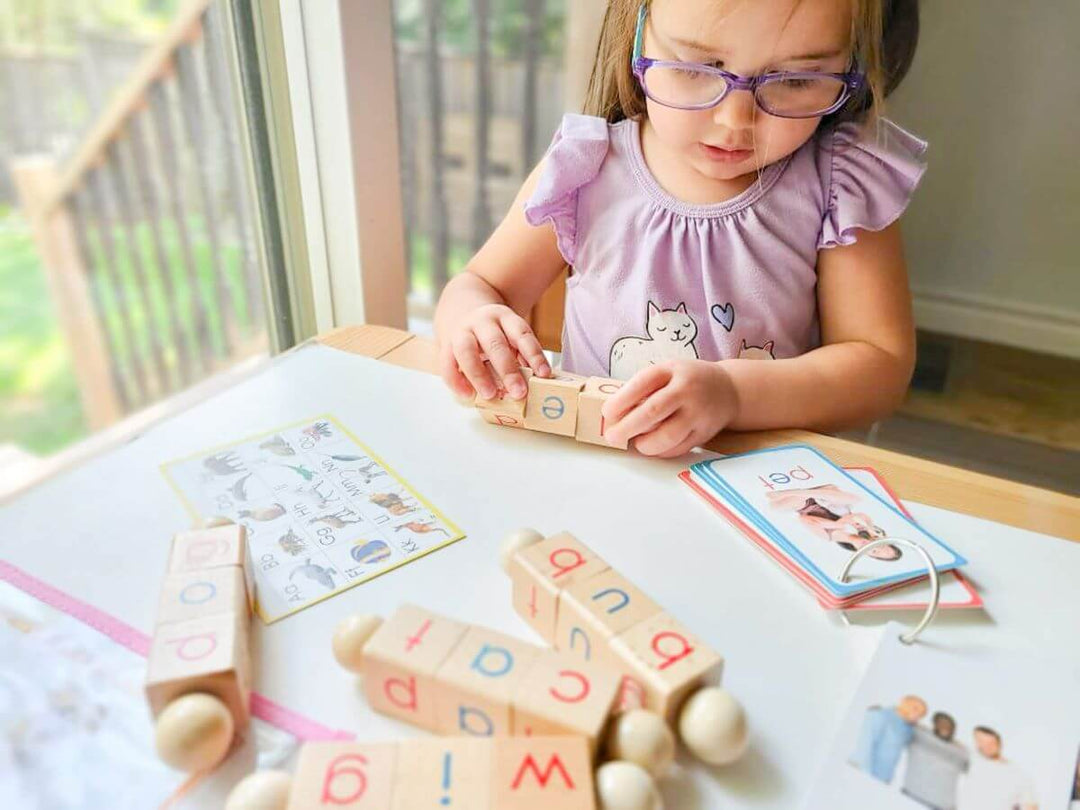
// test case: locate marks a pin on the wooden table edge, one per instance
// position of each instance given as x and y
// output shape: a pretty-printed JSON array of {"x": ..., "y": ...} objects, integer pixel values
[{"x": 930, "y": 482}]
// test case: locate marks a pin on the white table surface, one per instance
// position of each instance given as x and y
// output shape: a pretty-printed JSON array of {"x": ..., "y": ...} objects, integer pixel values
[{"x": 101, "y": 532}]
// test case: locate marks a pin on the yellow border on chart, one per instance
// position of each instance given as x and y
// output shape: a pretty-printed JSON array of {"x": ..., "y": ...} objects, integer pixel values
[{"x": 458, "y": 534}]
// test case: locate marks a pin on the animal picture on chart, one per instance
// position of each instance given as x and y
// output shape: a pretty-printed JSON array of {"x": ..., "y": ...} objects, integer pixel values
[
  {"x": 316, "y": 573},
  {"x": 671, "y": 334}
]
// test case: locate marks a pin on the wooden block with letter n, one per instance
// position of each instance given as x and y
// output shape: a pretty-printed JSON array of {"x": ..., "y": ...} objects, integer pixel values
[
  {"x": 444, "y": 772},
  {"x": 590, "y": 422},
  {"x": 552, "y": 403},
  {"x": 561, "y": 695},
  {"x": 206, "y": 654},
  {"x": 477, "y": 683},
  {"x": 540, "y": 571},
  {"x": 667, "y": 660},
  {"x": 401, "y": 660},
  {"x": 202, "y": 549},
  {"x": 354, "y": 776},
  {"x": 541, "y": 773},
  {"x": 191, "y": 594}
]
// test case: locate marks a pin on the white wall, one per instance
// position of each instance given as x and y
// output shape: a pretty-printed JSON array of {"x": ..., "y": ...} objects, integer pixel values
[{"x": 993, "y": 236}]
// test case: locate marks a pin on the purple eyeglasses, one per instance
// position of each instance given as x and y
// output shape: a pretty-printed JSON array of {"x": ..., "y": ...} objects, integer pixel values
[{"x": 692, "y": 86}]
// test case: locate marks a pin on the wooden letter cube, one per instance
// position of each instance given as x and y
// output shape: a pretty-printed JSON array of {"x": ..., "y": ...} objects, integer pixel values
[
  {"x": 667, "y": 660},
  {"x": 561, "y": 695},
  {"x": 353, "y": 776},
  {"x": 502, "y": 419},
  {"x": 593, "y": 611},
  {"x": 590, "y": 422},
  {"x": 541, "y": 773},
  {"x": 207, "y": 654},
  {"x": 450, "y": 772},
  {"x": 200, "y": 549},
  {"x": 192, "y": 594},
  {"x": 476, "y": 684},
  {"x": 502, "y": 403},
  {"x": 400, "y": 662},
  {"x": 552, "y": 404},
  {"x": 541, "y": 571}
]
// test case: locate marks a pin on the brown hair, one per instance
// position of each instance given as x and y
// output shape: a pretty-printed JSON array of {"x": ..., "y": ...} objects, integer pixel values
[{"x": 883, "y": 32}]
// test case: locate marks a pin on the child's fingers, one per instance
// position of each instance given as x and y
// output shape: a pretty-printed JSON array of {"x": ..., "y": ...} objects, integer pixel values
[
  {"x": 665, "y": 438},
  {"x": 636, "y": 389},
  {"x": 467, "y": 354},
  {"x": 645, "y": 417},
  {"x": 503, "y": 358},
  {"x": 451, "y": 374},
  {"x": 522, "y": 336}
]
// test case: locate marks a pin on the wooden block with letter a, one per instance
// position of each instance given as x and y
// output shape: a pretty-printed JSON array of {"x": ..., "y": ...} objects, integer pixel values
[
  {"x": 400, "y": 662},
  {"x": 562, "y": 695},
  {"x": 552, "y": 403},
  {"x": 667, "y": 660},
  {"x": 450, "y": 772},
  {"x": 477, "y": 682},
  {"x": 353, "y": 776},
  {"x": 590, "y": 422},
  {"x": 200, "y": 549},
  {"x": 539, "y": 572},
  {"x": 541, "y": 773},
  {"x": 206, "y": 654},
  {"x": 191, "y": 594}
]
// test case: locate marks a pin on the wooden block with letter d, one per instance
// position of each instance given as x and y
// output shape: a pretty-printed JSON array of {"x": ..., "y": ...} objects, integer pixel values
[
  {"x": 552, "y": 403},
  {"x": 541, "y": 773},
  {"x": 590, "y": 422},
  {"x": 540, "y": 571},
  {"x": 400, "y": 662},
  {"x": 667, "y": 660},
  {"x": 353, "y": 776}
]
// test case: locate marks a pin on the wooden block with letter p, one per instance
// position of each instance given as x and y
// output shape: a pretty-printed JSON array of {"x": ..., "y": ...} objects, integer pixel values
[
  {"x": 206, "y": 654},
  {"x": 552, "y": 403},
  {"x": 540, "y": 571},
  {"x": 354, "y": 776},
  {"x": 190, "y": 594},
  {"x": 444, "y": 772},
  {"x": 200, "y": 549},
  {"x": 667, "y": 660},
  {"x": 477, "y": 682},
  {"x": 590, "y": 422},
  {"x": 400, "y": 662},
  {"x": 562, "y": 695},
  {"x": 540, "y": 773}
]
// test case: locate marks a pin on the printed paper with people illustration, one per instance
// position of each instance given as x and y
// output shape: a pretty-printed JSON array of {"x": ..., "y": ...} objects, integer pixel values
[
  {"x": 323, "y": 513},
  {"x": 941, "y": 729},
  {"x": 819, "y": 515}
]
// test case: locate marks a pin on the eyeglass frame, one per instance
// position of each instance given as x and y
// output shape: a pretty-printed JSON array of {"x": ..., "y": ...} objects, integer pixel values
[{"x": 853, "y": 81}]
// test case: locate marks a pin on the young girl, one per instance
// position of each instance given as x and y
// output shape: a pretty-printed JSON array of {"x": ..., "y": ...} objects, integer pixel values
[{"x": 730, "y": 220}]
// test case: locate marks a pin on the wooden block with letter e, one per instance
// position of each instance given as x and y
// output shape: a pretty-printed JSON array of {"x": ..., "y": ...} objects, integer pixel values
[
  {"x": 401, "y": 660},
  {"x": 540, "y": 571},
  {"x": 590, "y": 422},
  {"x": 353, "y": 776},
  {"x": 541, "y": 773},
  {"x": 552, "y": 403}
]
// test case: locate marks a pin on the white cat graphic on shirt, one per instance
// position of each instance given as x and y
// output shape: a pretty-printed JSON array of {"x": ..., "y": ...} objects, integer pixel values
[{"x": 671, "y": 334}]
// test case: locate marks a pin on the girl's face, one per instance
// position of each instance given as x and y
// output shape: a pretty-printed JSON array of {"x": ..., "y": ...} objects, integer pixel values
[{"x": 745, "y": 37}]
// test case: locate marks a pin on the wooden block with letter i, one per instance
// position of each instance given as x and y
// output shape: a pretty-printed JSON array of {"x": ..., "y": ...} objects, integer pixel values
[
  {"x": 539, "y": 572},
  {"x": 667, "y": 660},
  {"x": 191, "y": 594},
  {"x": 400, "y": 662},
  {"x": 541, "y": 773},
  {"x": 450, "y": 772},
  {"x": 590, "y": 422},
  {"x": 552, "y": 403},
  {"x": 477, "y": 683},
  {"x": 200, "y": 549},
  {"x": 206, "y": 654},
  {"x": 353, "y": 776},
  {"x": 561, "y": 695}
]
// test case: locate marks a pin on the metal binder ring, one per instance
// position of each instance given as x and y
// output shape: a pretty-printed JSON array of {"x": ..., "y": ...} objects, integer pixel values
[{"x": 935, "y": 583}]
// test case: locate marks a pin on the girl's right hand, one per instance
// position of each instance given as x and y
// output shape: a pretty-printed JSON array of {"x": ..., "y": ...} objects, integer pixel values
[{"x": 485, "y": 352}]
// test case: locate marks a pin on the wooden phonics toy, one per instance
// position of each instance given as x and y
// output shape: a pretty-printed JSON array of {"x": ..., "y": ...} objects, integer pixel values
[
  {"x": 626, "y": 786},
  {"x": 455, "y": 678},
  {"x": 587, "y": 610},
  {"x": 198, "y": 679},
  {"x": 262, "y": 790},
  {"x": 504, "y": 773},
  {"x": 564, "y": 404}
]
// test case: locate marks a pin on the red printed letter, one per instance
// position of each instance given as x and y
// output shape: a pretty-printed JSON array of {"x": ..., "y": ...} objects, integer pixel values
[
  {"x": 332, "y": 773},
  {"x": 582, "y": 681},
  {"x": 529, "y": 764},
  {"x": 392, "y": 688},
  {"x": 671, "y": 659},
  {"x": 565, "y": 569},
  {"x": 189, "y": 647}
]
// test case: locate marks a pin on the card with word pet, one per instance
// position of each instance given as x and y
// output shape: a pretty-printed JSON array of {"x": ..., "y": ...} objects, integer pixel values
[
  {"x": 810, "y": 515},
  {"x": 322, "y": 511}
]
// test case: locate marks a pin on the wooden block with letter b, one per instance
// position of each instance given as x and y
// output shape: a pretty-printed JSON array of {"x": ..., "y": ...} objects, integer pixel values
[
  {"x": 590, "y": 422},
  {"x": 539, "y": 572},
  {"x": 400, "y": 662},
  {"x": 667, "y": 660},
  {"x": 353, "y": 776},
  {"x": 552, "y": 403},
  {"x": 541, "y": 773}
]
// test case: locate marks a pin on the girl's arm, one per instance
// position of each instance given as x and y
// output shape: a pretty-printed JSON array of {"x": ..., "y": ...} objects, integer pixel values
[
  {"x": 482, "y": 313},
  {"x": 859, "y": 374}
]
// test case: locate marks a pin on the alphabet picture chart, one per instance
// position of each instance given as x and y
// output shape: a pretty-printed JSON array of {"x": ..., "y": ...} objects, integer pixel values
[{"x": 323, "y": 512}]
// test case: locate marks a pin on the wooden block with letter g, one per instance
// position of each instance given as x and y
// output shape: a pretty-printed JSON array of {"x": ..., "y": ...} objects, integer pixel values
[{"x": 353, "y": 776}]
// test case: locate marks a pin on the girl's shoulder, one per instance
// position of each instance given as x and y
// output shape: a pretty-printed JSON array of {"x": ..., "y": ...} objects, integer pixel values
[{"x": 867, "y": 175}]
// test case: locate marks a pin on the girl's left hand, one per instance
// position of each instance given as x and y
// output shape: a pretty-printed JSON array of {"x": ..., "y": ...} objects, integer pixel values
[{"x": 672, "y": 407}]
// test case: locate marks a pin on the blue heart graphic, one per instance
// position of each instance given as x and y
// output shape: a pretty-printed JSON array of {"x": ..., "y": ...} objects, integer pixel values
[{"x": 724, "y": 315}]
